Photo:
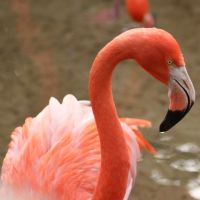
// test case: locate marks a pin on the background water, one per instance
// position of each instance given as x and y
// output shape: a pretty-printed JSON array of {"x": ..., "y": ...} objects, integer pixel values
[{"x": 46, "y": 49}]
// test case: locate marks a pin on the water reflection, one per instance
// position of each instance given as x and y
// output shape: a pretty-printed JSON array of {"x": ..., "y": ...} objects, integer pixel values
[
  {"x": 189, "y": 165},
  {"x": 164, "y": 154},
  {"x": 177, "y": 166},
  {"x": 166, "y": 138},
  {"x": 160, "y": 179},
  {"x": 188, "y": 148},
  {"x": 194, "y": 188}
]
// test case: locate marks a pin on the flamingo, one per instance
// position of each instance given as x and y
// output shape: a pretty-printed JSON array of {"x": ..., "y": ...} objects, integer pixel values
[
  {"x": 82, "y": 150},
  {"x": 139, "y": 11},
  {"x": 109, "y": 15},
  {"x": 27, "y": 32}
]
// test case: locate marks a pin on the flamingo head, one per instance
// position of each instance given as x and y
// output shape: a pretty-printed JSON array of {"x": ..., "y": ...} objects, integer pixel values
[{"x": 161, "y": 56}]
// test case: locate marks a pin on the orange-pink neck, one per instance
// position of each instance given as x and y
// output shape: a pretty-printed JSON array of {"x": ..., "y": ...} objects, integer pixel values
[
  {"x": 115, "y": 164},
  {"x": 150, "y": 48}
]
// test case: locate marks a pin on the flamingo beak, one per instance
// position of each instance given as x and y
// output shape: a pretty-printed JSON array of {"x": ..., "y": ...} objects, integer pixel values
[{"x": 182, "y": 96}]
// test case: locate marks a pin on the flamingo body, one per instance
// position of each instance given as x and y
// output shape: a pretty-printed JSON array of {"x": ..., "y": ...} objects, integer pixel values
[
  {"x": 139, "y": 11},
  {"x": 75, "y": 151},
  {"x": 57, "y": 155}
]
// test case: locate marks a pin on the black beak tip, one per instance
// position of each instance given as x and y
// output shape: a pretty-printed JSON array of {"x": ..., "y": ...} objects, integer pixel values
[
  {"x": 171, "y": 119},
  {"x": 163, "y": 128}
]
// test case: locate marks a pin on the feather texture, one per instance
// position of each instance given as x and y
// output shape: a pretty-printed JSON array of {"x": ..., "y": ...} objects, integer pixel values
[{"x": 57, "y": 155}]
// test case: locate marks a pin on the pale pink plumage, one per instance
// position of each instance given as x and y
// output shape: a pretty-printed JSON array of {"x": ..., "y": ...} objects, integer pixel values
[{"x": 56, "y": 155}]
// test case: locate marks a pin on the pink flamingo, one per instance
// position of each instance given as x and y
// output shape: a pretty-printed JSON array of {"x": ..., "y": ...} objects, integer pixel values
[
  {"x": 139, "y": 11},
  {"x": 27, "y": 32},
  {"x": 76, "y": 151},
  {"x": 109, "y": 15}
]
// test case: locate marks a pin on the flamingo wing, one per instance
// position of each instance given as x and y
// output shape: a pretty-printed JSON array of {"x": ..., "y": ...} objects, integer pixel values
[{"x": 56, "y": 155}]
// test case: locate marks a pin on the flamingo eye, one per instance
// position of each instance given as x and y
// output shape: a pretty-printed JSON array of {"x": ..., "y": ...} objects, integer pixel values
[{"x": 169, "y": 62}]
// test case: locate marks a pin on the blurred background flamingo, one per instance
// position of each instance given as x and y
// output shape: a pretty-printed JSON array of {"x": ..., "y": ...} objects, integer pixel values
[
  {"x": 138, "y": 10},
  {"x": 27, "y": 33},
  {"x": 63, "y": 154},
  {"x": 109, "y": 15}
]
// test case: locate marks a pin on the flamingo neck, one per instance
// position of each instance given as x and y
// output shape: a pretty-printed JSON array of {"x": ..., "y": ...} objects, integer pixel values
[{"x": 115, "y": 164}]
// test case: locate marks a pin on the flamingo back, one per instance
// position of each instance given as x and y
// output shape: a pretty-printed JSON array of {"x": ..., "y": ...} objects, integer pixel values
[{"x": 57, "y": 155}]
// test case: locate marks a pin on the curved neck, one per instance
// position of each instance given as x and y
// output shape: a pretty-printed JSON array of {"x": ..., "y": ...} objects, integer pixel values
[{"x": 115, "y": 164}]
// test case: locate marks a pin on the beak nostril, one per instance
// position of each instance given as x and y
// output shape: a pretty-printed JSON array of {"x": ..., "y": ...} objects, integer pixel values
[
  {"x": 188, "y": 97},
  {"x": 185, "y": 83}
]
